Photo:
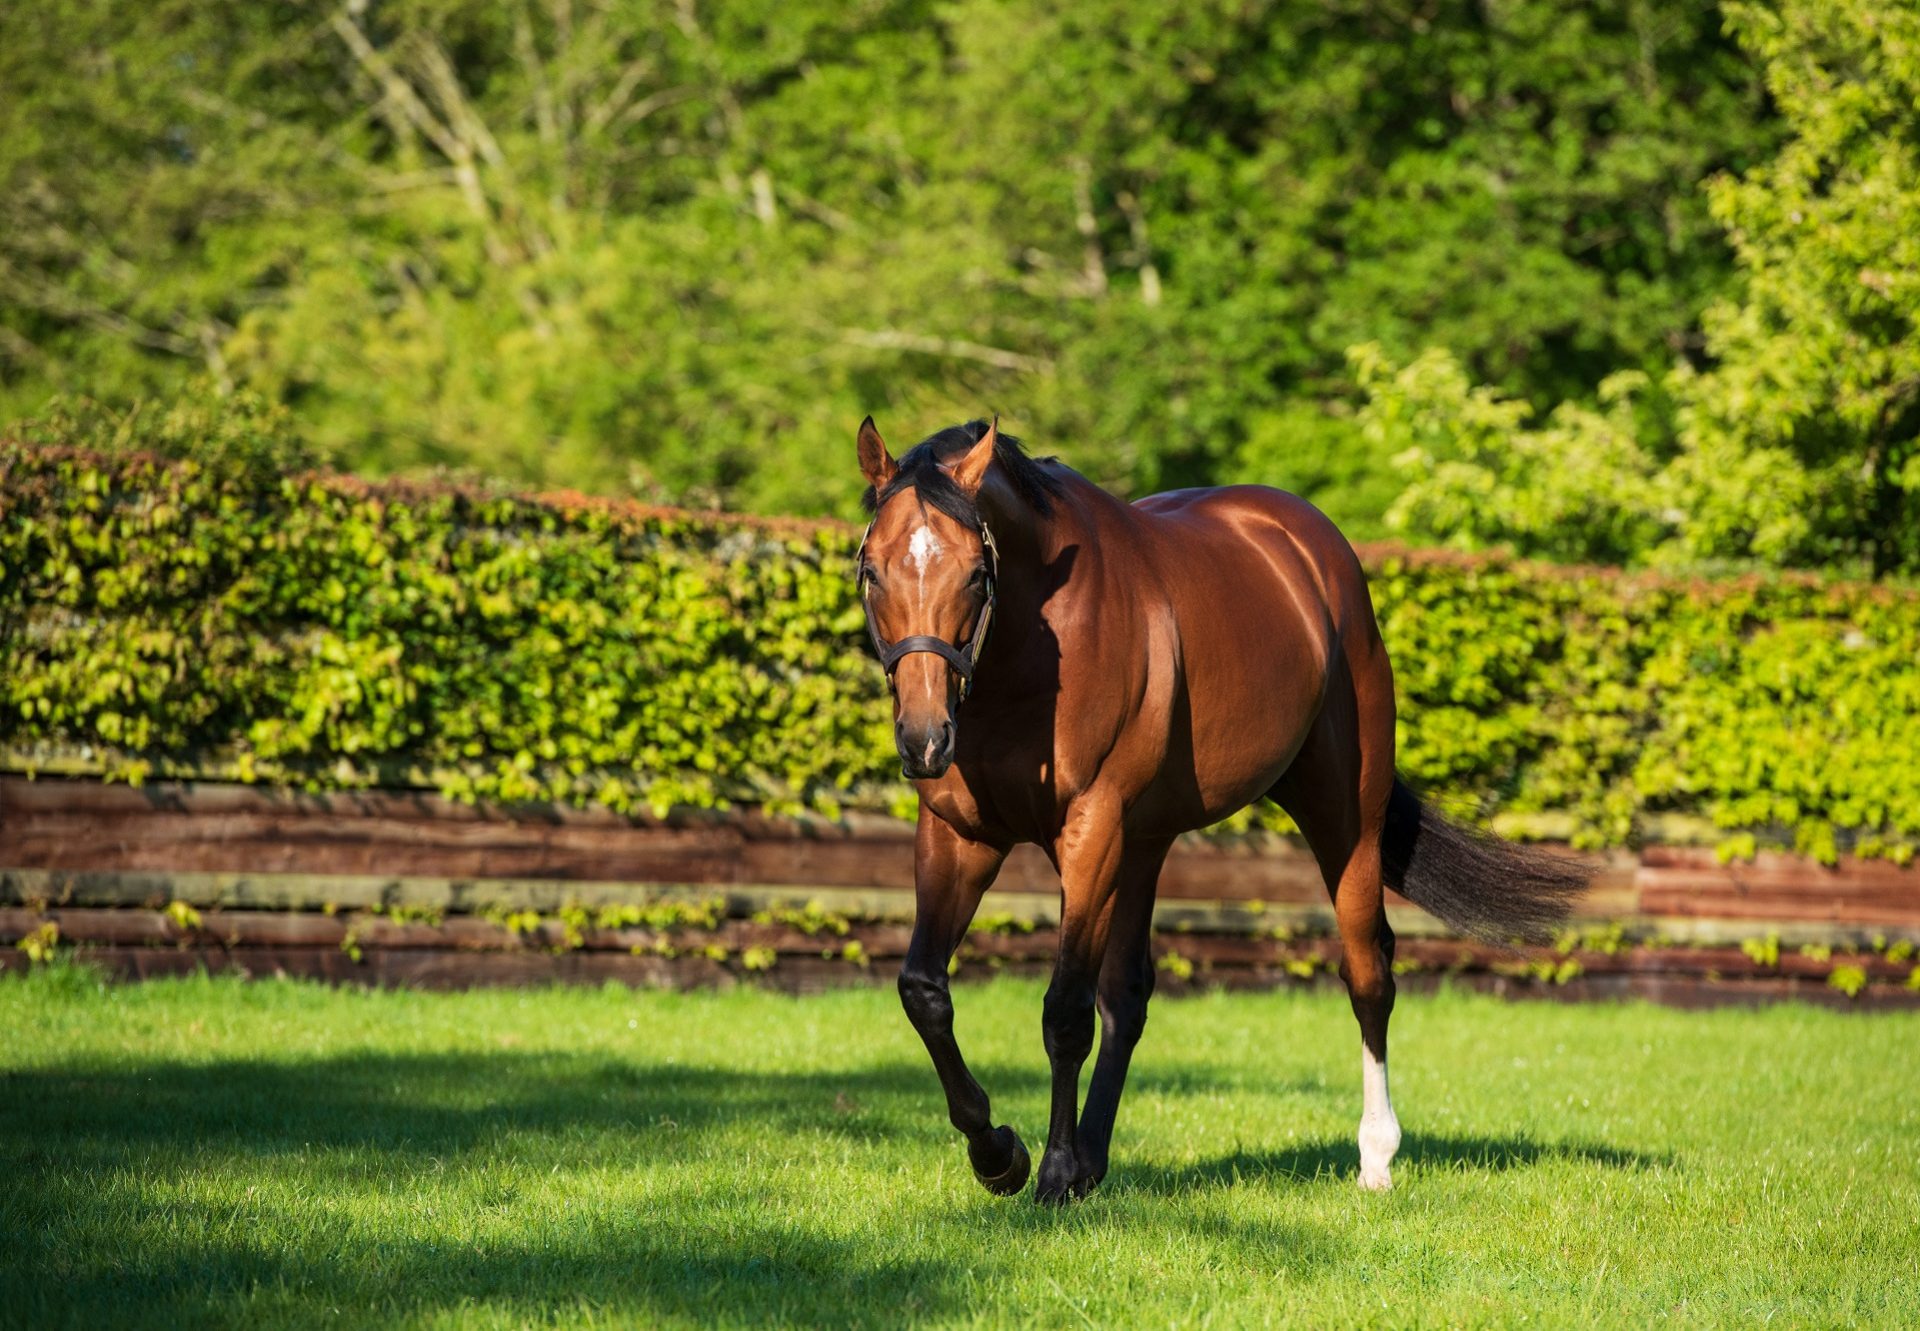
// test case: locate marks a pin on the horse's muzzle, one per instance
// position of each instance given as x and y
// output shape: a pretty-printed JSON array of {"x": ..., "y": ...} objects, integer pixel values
[{"x": 926, "y": 752}]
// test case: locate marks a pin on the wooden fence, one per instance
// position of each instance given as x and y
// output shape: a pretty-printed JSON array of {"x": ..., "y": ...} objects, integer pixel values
[{"x": 407, "y": 888}]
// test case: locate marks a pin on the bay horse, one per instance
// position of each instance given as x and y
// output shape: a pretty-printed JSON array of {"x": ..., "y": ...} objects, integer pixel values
[{"x": 1096, "y": 678}]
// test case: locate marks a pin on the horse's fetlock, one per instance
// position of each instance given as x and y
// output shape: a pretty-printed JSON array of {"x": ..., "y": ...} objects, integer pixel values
[{"x": 971, "y": 1120}]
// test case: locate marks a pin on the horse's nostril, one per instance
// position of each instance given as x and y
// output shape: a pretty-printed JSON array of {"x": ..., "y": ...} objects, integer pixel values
[{"x": 926, "y": 749}]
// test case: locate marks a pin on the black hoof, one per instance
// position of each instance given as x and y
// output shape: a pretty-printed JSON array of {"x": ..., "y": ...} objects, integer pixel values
[
  {"x": 1066, "y": 1182},
  {"x": 1006, "y": 1145}
]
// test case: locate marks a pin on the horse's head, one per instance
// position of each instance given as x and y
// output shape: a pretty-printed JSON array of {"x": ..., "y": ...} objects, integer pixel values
[{"x": 927, "y": 574}]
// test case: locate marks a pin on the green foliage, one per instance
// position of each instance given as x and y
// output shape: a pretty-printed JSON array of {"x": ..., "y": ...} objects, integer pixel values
[
  {"x": 1817, "y": 384},
  {"x": 1849, "y": 980},
  {"x": 1581, "y": 488},
  {"x": 350, "y": 940},
  {"x": 228, "y": 430},
  {"x": 1610, "y": 939},
  {"x": 1328, "y": 455},
  {"x": 659, "y": 915},
  {"x": 321, "y": 633},
  {"x": 1541, "y": 970},
  {"x": 1799, "y": 442},
  {"x": 1174, "y": 964},
  {"x": 41, "y": 944},
  {"x": 410, "y": 914},
  {"x": 519, "y": 923},
  {"x": 811, "y": 919},
  {"x": 680, "y": 248},
  {"x": 317, "y": 631}
]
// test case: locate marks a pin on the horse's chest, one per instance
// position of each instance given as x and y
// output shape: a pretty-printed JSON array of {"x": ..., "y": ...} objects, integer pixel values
[
  {"x": 997, "y": 802},
  {"x": 1021, "y": 776}
]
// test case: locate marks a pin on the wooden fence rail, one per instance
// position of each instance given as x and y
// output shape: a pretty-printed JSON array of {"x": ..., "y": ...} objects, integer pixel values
[{"x": 404, "y": 887}]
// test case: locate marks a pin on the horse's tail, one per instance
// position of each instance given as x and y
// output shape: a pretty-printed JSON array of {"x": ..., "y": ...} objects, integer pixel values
[{"x": 1475, "y": 882}]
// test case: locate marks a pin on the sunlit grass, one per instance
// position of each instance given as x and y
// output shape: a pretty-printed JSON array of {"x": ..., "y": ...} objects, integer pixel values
[{"x": 215, "y": 1153}]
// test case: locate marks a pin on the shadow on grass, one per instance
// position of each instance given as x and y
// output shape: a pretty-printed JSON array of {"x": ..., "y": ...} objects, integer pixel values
[
  {"x": 1320, "y": 1159},
  {"x": 434, "y": 1105},
  {"x": 199, "y": 1272},
  {"x": 158, "y": 1194},
  {"x": 128, "y": 1198}
]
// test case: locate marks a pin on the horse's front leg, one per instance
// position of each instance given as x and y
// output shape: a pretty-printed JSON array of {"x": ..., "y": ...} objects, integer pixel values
[
  {"x": 950, "y": 875},
  {"x": 1090, "y": 855}
]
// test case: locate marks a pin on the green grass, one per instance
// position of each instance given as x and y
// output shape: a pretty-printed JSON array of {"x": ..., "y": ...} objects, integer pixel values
[{"x": 215, "y": 1153}]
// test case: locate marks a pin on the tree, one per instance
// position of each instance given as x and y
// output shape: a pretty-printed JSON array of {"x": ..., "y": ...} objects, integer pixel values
[
  {"x": 1799, "y": 443},
  {"x": 675, "y": 246},
  {"x": 1816, "y": 388},
  {"x": 1580, "y": 488}
]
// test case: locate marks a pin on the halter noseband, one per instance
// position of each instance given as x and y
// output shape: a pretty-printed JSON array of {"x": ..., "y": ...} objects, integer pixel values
[{"x": 962, "y": 659}]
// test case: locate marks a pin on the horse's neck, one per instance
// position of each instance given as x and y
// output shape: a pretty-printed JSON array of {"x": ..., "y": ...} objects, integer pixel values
[
  {"x": 1039, "y": 536},
  {"x": 1044, "y": 557},
  {"x": 1025, "y": 539}
]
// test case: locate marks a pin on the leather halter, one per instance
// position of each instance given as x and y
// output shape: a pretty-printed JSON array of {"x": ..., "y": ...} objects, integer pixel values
[{"x": 962, "y": 658}]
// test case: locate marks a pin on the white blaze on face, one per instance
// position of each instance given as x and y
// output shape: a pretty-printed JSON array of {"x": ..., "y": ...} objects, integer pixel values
[
  {"x": 923, "y": 547},
  {"x": 922, "y": 550},
  {"x": 1379, "y": 1129}
]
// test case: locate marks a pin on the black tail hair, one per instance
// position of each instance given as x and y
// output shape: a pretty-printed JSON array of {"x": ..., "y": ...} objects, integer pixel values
[{"x": 1482, "y": 886}]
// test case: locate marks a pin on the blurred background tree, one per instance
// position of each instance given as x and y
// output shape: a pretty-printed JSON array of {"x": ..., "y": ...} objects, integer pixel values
[
  {"x": 1794, "y": 440},
  {"x": 674, "y": 247}
]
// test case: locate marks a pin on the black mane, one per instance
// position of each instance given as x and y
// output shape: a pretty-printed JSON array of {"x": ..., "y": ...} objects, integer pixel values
[{"x": 920, "y": 470}]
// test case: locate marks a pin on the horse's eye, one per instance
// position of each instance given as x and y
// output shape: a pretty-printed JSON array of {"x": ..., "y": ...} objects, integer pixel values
[{"x": 979, "y": 579}]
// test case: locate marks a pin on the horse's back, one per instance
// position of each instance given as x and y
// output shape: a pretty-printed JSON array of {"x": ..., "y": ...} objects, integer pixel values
[
  {"x": 1247, "y": 511},
  {"x": 1222, "y": 533}
]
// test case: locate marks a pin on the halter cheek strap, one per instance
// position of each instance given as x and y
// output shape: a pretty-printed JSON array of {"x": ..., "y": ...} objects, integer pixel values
[{"x": 964, "y": 659}]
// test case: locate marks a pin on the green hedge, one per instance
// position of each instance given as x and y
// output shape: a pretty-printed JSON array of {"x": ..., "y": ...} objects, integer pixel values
[{"x": 171, "y": 616}]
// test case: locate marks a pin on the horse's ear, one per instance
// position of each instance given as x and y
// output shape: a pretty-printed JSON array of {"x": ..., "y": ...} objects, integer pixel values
[
  {"x": 876, "y": 464},
  {"x": 971, "y": 469}
]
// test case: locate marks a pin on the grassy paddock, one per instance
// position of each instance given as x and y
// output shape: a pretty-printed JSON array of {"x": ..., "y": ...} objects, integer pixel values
[{"x": 216, "y": 1153}]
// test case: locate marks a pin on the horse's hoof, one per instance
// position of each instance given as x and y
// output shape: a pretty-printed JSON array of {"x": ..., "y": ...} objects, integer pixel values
[
  {"x": 1019, "y": 1164},
  {"x": 1060, "y": 1185}
]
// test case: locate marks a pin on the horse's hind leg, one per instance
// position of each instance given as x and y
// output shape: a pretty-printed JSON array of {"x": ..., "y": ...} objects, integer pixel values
[
  {"x": 1126, "y": 984},
  {"x": 1337, "y": 791}
]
